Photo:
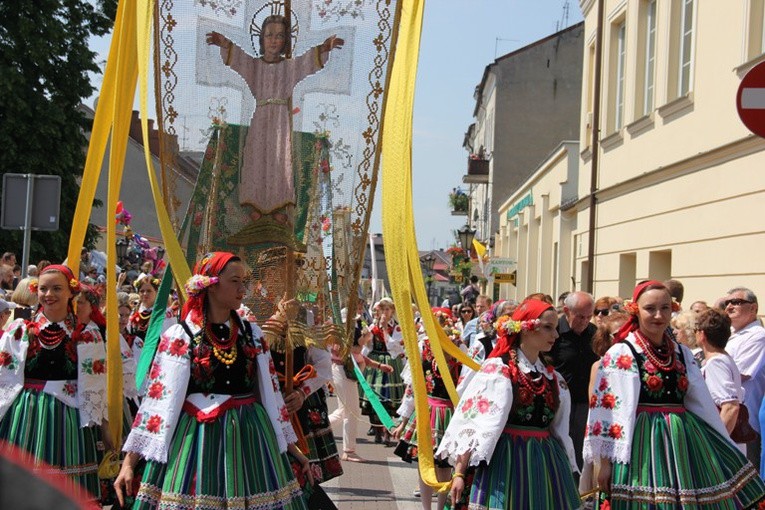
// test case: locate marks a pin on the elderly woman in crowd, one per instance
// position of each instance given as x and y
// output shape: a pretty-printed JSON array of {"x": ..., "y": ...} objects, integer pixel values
[{"x": 652, "y": 421}]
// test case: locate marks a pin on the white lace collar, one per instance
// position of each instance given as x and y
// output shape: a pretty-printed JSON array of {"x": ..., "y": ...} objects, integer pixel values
[{"x": 527, "y": 366}]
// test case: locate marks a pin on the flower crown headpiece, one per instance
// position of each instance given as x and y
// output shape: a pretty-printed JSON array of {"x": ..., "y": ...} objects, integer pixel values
[
  {"x": 198, "y": 283},
  {"x": 506, "y": 325}
]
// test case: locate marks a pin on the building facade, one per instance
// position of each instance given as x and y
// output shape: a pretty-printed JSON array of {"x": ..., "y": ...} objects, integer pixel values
[
  {"x": 680, "y": 183},
  {"x": 528, "y": 101}
]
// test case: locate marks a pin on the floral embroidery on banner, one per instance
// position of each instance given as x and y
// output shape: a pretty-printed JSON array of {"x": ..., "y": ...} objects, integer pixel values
[
  {"x": 94, "y": 367},
  {"x": 70, "y": 389}
]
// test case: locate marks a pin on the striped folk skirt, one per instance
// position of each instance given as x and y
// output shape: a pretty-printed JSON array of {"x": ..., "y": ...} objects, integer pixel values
[
  {"x": 529, "y": 470},
  {"x": 389, "y": 387},
  {"x": 325, "y": 460},
  {"x": 232, "y": 461},
  {"x": 441, "y": 411},
  {"x": 50, "y": 431},
  {"x": 679, "y": 461}
]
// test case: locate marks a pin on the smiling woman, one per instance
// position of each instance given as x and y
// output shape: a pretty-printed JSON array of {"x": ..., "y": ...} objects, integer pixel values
[
  {"x": 652, "y": 420},
  {"x": 520, "y": 405},
  {"x": 54, "y": 368}
]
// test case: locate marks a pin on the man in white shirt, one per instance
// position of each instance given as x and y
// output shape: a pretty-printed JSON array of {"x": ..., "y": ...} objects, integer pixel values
[{"x": 747, "y": 348}]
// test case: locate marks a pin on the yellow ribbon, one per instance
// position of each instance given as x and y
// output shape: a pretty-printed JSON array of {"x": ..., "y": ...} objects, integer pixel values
[
  {"x": 401, "y": 254},
  {"x": 129, "y": 56}
]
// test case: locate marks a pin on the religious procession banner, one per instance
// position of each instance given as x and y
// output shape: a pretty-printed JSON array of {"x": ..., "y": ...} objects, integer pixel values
[{"x": 280, "y": 105}]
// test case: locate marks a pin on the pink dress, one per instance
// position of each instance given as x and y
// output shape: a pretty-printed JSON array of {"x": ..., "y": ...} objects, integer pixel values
[{"x": 265, "y": 176}]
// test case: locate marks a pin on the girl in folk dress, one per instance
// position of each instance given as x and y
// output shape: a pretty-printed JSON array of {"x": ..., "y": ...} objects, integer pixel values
[
  {"x": 53, "y": 384},
  {"x": 653, "y": 426},
  {"x": 212, "y": 406},
  {"x": 512, "y": 422}
]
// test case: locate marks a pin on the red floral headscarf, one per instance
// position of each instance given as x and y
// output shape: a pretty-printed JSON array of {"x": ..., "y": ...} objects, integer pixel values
[
  {"x": 206, "y": 273},
  {"x": 528, "y": 310},
  {"x": 74, "y": 283},
  {"x": 632, "y": 307}
]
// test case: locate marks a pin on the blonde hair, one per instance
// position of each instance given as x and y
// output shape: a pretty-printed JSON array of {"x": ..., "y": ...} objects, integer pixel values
[
  {"x": 23, "y": 295},
  {"x": 686, "y": 321}
]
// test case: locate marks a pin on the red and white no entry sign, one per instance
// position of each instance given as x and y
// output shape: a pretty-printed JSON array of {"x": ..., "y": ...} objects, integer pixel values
[{"x": 750, "y": 100}]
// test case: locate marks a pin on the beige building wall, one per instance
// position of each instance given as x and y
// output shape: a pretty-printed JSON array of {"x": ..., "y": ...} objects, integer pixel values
[
  {"x": 681, "y": 181},
  {"x": 536, "y": 232}
]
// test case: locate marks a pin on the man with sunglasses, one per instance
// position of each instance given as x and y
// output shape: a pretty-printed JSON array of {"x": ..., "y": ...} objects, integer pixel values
[{"x": 747, "y": 348}]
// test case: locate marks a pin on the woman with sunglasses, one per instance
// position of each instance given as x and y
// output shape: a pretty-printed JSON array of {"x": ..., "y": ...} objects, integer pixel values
[
  {"x": 466, "y": 314},
  {"x": 213, "y": 426},
  {"x": 53, "y": 382},
  {"x": 603, "y": 307},
  {"x": 653, "y": 423}
]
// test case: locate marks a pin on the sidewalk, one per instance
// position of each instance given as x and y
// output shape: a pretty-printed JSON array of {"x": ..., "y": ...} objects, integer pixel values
[{"x": 384, "y": 482}]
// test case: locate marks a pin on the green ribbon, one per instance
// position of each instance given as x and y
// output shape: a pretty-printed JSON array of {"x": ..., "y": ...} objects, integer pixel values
[
  {"x": 155, "y": 328},
  {"x": 379, "y": 409}
]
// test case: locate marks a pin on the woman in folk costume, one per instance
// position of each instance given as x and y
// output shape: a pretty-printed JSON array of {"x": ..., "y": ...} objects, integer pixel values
[
  {"x": 653, "y": 426},
  {"x": 512, "y": 422},
  {"x": 53, "y": 383},
  {"x": 213, "y": 426},
  {"x": 146, "y": 286},
  {"x": 441, "y": 410},
  {"x": 306, "y": 400},
  {"x": 387, "y": 349},
  {"x": 88, "y": 312}
]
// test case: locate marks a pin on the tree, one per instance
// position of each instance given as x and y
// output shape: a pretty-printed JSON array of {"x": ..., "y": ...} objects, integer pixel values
[{"x": 44, "y": 66}]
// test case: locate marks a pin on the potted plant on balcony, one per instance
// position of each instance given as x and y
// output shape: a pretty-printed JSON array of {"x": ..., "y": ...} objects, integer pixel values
[{"x": 458, "y": 202}]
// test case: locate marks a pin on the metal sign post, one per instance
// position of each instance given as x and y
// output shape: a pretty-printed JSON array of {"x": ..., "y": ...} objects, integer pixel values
[{"x": 30, "y": 202}]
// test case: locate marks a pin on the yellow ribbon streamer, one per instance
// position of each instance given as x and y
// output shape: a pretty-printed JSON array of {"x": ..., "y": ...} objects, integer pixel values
[
  {"x": 129, "y": 56},
  {"x": 401, "y": 254}
]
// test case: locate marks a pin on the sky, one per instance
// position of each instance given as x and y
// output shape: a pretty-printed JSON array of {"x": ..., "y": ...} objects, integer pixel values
[{"x": 459, "y": 39}]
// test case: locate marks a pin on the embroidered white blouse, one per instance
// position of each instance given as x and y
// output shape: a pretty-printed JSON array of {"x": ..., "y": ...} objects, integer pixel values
[
  {"x": 87, "y": 393},
  {"x": 482, "y": 413},
  {"x": 611, "y": 421},
  {"x": 157, "y": 418}
]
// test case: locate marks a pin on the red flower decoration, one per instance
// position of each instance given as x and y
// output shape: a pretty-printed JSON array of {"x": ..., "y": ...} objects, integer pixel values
[
  {"x": 156, "y": 389},
  {"x": 178, "y": 347},
  {"x": 654, "y": 383},
  {"x": 524, "y": 396},
  {"x": 315, "y": 417},
  {"x": 5, "y": 359},
  {"x": 603, "y": 384},
  {"x": 682, "y": 383},
  {"x": 283, "y": 414},
  {"x": 649, "y": 367},
  {"x": 164, "y": 344},
  {"x": 615, "y": 431},
  {"x": 597, "y": 428},
  {"x": 624, "y": 362},
  {"x": 483, "y": 404},
  {"x": 99, "y": 367},
  {"x": 593, "y": 401},
  {"x": 467, "y": 405},
  {"x": 137, "y": 421},
  {"x": 154, "y": 423},
  {"x": 155, "y": 371},
  {"x": 608, "y": 401}
]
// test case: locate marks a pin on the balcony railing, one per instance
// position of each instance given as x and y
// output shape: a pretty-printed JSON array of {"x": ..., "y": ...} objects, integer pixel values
[{"x": 477, "y": 171}]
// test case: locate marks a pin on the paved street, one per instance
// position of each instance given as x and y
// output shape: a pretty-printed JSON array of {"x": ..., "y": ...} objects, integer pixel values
[{"x": 384, "y": 482}]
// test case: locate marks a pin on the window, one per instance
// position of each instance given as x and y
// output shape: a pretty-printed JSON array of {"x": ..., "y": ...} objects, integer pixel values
[
  {"x": 620, "y": 57},
  {"x": 756, "y": 36},
  {"x": 686, "y": 48},
  {"x": 650, "y": 56},
  {"x": 681, "y": 51},
  {"x": 617, "y": 57}
]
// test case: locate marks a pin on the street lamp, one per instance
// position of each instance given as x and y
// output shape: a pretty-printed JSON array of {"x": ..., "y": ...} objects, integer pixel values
[
  {"x": 122, "y": 248},
  {"x": 429, "y": 261},
  {"x": 466, "y": 236}
]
